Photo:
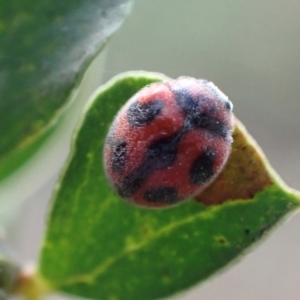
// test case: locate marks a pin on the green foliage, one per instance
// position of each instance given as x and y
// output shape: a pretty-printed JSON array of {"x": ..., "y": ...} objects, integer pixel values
[
  {"x": 45, "y": 47},
  {"x": 98, "y": 246}
]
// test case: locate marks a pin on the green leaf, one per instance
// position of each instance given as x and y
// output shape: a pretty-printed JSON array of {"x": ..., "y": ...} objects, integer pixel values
[
  {"x": 101, "y": 247},
  {"x": 45, "y": 47}
]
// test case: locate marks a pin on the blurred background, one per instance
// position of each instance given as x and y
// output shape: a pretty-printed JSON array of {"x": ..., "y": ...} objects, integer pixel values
[{"x": 251, "y": 51}]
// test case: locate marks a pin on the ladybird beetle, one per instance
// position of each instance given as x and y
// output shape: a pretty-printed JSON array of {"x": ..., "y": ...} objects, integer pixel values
[{"x": 168, "y": 142}]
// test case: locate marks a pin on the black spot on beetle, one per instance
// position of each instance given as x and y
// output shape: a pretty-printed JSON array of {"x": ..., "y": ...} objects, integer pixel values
[
  {"x": 211, "y": 124},
  {"x": 163, "y": 153},
  {"x": 164, "y": 195},
  {"x": 118, "y": 157},
  {"x": 133, "y": 182},
  {"x": 196, "y": 118},
  {"x": 187, "y": 102},
  {"x": 202, "y": 168},
  {"x": 247, "y": 231},
  {"x": 160, "y": 154},
  {"x": 142, "y": 114}
]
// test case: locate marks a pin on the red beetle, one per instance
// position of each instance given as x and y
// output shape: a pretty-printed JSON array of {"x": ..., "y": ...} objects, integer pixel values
[{"x": 168, "y": 142}]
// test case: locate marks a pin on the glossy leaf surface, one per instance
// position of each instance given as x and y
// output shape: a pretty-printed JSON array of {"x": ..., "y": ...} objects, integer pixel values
[
  {"x": 98, "y": 246},
  {"x": 45, "y": 47}
]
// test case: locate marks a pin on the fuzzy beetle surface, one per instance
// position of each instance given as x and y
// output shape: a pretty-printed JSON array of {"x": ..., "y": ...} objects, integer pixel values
[{"x": 168, "y": 142}]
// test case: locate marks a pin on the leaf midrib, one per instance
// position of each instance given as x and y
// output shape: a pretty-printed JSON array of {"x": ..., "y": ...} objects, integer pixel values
[{"x": 90, "y": 277}]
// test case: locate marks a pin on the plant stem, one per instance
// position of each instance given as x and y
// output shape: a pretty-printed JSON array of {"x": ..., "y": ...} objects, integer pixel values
[{"x": 31, "y": 285}]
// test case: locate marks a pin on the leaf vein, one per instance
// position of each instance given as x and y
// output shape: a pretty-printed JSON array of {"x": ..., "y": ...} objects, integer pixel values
[{"x": 89, "y": 278}]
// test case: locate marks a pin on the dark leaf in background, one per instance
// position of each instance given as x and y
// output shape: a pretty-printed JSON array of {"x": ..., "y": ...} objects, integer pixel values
[{"x": 45, "y": 47}]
